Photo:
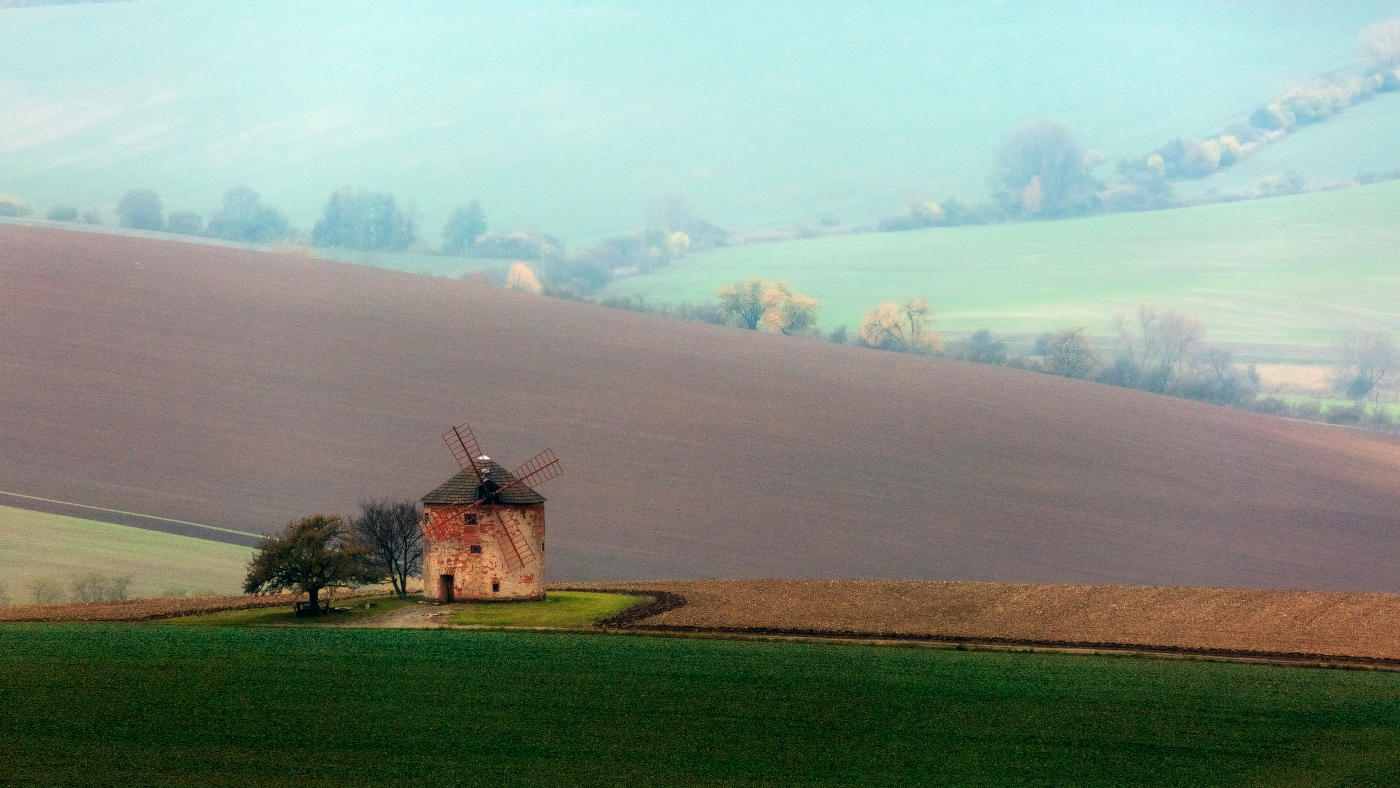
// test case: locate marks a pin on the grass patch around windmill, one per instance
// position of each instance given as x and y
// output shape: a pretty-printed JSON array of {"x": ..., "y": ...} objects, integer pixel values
[{"x": 560, "y": 609}]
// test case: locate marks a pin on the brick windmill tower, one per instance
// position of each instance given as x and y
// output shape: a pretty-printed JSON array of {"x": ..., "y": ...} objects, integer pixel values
[{"x": 483, "y": 529}]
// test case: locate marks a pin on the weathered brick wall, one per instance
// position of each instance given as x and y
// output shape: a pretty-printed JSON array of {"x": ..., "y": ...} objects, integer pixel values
[{"x": 474, "y": 573}]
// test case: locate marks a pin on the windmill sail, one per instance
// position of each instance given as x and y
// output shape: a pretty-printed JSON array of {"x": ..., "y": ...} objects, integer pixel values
[{"x": 514, "y": 546}]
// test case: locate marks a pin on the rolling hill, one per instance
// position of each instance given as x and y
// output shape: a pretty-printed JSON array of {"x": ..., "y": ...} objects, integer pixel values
[
  {"x": 37, "y": 544},
  {"x": 570, "y": 117},
  {"x": 241, "y": 390},
  {"x": 1298, "y": 269}
]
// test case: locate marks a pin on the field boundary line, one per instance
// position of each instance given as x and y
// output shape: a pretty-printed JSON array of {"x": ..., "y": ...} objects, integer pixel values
[
  {"x": 632, "y": 620},
  {"x": 1232, "y": 655},
  {"x": 130, "y": 514}
]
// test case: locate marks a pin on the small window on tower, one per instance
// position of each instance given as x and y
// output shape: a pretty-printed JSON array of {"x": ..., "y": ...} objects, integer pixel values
[
  {"x": 541, "y": 547},
  {"x": 471, "y": 518},
  {"x": 495, "y": 587},
  {"x": 476, "y": 548}
]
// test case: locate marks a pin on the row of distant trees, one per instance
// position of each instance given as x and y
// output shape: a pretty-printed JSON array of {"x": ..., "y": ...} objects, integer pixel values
[
  {"x": 1041, "y": 170},
  {"x": 1160, "y": 351}
]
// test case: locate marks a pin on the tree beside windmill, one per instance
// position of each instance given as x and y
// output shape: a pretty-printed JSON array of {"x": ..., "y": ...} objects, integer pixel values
[{"x": 484, "y": 529}]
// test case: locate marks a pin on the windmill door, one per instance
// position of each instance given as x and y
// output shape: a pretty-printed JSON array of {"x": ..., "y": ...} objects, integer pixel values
[{"x": 445, "y": 588}]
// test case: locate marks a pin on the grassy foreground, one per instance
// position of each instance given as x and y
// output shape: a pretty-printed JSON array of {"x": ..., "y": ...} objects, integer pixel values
[{"x": 109, "y": 705}]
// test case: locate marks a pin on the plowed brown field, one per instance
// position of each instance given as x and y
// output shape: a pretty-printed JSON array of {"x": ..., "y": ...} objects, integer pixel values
[
  {"x": 241, "y": 389},
  {"x": 1194, "y": 619}
]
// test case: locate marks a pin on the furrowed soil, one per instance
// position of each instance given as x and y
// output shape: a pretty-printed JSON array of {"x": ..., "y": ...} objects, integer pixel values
[
  {"x": 242, "y": 390},
  {"x": 1363, "y": 626}
]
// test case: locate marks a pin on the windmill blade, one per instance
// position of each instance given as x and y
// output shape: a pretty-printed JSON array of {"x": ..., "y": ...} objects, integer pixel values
[
  {"x": 537, "y": 470},
  {"x": 514, "y": 546},
  {"x": 462, "y": 443}
]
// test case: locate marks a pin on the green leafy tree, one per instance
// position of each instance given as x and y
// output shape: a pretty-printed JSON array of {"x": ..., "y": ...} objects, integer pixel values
[
  {"x": 141, "y": 209},
  {"x": 311, "y": 554},
  {"x": 463, "y": 227},
  {"x": 246, "y": 219}
]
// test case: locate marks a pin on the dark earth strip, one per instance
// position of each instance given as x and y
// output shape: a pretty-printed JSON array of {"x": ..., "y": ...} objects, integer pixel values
[{"x": 127, "y": 518}]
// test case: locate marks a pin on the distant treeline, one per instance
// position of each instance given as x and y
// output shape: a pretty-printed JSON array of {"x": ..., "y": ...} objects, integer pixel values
[{"x": 1163, "y": 352}]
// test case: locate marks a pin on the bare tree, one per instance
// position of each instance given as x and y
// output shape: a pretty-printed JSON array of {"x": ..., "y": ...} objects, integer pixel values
[
  {"x": 4, "y": 593},
  {"x": 45, "y": 590},
  {"x": 1069, "y": 353},
  {"x": 1368, "y": 360},
  {"x": 393, "y": 533},
  {"x": 1158, "y": 345}
]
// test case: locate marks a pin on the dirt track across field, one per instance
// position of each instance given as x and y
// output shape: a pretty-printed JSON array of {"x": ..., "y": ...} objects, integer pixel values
[
  {"x": 243, "y": 390},
  {"x": 1191, "y": 620}
]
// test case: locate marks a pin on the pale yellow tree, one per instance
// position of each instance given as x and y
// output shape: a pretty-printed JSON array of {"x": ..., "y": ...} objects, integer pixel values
[
  {"x": 787, "y": 312},
  {"x": 521, "y": 278},
  {"x": 903, "y": 327}
]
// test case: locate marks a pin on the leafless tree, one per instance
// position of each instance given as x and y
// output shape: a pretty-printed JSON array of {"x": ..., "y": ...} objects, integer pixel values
[
  {"x": 393, "y": 533},
  {"x": 1157, "y": 344},
  {"x": 1368, "y": 360},
  {"x": 45, "y": 590}
]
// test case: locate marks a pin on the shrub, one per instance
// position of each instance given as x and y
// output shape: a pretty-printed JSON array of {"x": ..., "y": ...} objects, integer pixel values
[
  {"x": 982, "y": 348},
  {"x": 184, "y": 223},
  {"x": 62, "y": 213},
  {"x": 517, "y": 245},
  {"x": 523, "y": 279},
  {"x": 13, "y": 206},
  {"x": 838, "y": 335},
  {"x": 92, "y": 216}
]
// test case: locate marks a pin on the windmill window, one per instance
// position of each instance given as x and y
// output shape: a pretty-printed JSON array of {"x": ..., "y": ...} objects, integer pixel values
[
  {"x": 471, "y": 518},
  {"x": 495, "y": 587},
  {"x": 476, "y": 548}
]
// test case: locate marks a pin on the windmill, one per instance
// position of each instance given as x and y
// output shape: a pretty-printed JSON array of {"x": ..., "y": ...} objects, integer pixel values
[{"x": 483, "y": 529}]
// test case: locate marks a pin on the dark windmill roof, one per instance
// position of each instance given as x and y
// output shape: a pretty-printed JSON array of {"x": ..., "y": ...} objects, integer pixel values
[{"x": 462, "y": 487}]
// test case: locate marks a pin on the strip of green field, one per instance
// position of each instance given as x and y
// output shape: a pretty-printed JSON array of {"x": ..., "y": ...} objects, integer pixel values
[
  {"x": 1287, "y": 270},
  {"x": 356, "y": 610},
  {"x": 40, "y": 545},
  {"x": 129, "y": 705},
  {"x": 559, "y": 609}
]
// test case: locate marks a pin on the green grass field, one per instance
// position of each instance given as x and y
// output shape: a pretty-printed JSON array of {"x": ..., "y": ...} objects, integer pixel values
[
  {"x": 570, "y": 117},
  {"x": 1288, "y": 270},
  {"x": 158, "y": 705},
  {"x": 353, "y": 611},
  {"x": 35, "y": 544},
  {"x": 559, "y": 609}
]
